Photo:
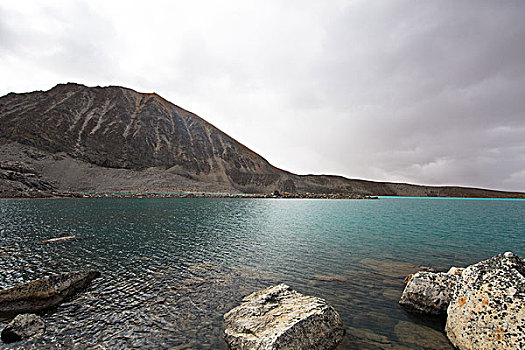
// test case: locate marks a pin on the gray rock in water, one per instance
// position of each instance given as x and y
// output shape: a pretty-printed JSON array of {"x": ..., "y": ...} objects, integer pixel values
[
  {"x": 44, "y": 293},
  {"x": 430, "y": 293},
  {"x": 488, "y": 311},
  {"x": 280, "y": 318},
  {"x": 22, "y": 327}
]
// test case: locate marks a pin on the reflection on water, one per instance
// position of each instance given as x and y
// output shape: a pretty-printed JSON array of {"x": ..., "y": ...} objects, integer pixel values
[{"x": 172, "y": 267}]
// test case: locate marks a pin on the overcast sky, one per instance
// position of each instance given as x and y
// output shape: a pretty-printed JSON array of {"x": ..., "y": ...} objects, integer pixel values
[{"x": 427, "y": 92}]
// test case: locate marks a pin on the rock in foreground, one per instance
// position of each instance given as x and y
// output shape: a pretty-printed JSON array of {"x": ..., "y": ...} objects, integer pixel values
[
  {"x": 488, "y": 311},
  {"x": 23, "y": 327},
  {"x": 280, "y": 318},
  {"x": 42, "y": 294},
  {"x": 430, "y": 293},
  {"x": 486, "y": 302}
]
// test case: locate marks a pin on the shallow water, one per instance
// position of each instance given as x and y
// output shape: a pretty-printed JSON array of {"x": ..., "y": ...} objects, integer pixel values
[{"x": 172, "y": 267}]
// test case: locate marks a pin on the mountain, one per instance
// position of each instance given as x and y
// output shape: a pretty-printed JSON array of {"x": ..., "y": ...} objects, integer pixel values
[
  {"x": 103, "y": 139},
  {"x": 118, "y": 128}
]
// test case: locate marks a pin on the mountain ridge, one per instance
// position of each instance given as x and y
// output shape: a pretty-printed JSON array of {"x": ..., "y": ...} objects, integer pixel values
[{"x": 94, "y": 138}]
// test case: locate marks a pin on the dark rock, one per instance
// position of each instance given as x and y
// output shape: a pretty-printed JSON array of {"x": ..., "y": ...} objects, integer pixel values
[
  {"x": 26, "y": 180},
  {"x": 23, "y": 326},
  {"x": 17, "y": 166},
  {"x": 44, "y": 293},
  {"x": 429, "y": 292},
  {"x": 281, "y": 318},
  {"x": 287, "y": 185}
]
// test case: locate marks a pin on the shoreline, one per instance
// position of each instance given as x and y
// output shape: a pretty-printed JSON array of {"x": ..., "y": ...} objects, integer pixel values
[
  {"x": 39, "y": 194},
  {"x": 60, "y": 195}
]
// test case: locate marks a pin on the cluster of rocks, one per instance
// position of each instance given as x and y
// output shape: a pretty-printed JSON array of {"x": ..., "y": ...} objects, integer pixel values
[
  {"x": 24, "y": 300},
  {"x": 484, "y": 303},
  {"x": 18, "y": 179},
  {"x": 38, "y": 193},
  {"x": 275, "y": 194},
  {"x": 279, "y": 317}
]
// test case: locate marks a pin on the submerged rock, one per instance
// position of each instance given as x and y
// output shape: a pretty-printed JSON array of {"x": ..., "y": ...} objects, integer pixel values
[
  {"x": 428, "y": 292},
  {"x": 419, "y": 336},
  {"x": 488, "y": 311},
  {"x": 280, "y": 318},
  {"x": 23, "y": 326},
  {"x": 363, "y": 338},
  {"x": 391, "y": 268},
  {"x": 44, "y": 293},
  {"x": 331, "y": 278}
]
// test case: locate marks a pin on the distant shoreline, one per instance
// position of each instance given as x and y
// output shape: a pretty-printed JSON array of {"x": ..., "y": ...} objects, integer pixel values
[
  {"x": 458, "y": 198},
  {"x": 286, "y": 195}
]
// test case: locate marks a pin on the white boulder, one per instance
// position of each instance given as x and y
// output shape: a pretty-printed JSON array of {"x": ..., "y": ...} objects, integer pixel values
[
  {"x": 488, "y": 311},
  {"x": 280, "y": 318}
]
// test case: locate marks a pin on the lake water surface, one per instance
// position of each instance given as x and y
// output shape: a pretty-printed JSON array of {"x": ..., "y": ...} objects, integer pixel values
[{"x": 172, "y": 267}]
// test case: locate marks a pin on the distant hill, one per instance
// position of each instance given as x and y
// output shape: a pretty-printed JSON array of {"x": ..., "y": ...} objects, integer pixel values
[{"x": 78, "y": 138}]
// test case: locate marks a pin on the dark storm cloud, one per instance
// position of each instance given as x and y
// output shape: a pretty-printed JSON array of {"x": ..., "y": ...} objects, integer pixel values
[
  {"x": 435, "y": 85},
  {"x": 416, "y": 91}
]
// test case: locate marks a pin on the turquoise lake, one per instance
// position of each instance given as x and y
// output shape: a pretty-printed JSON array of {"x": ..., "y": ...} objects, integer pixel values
[{"x": 172, "y": 267}]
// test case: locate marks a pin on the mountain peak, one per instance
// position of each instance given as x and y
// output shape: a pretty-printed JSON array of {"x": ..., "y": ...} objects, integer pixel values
[{"x": 120, "y": 128}]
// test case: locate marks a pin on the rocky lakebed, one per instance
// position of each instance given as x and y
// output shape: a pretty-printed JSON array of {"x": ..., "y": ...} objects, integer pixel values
[{"x": 481, "y": 306}]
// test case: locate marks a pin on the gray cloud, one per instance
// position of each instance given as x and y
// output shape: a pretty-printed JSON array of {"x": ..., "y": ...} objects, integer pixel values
[
  {"x": 70, "y": 41},
  {"x": 423, "y": 92},
  {"x": 436, "y": 85}
]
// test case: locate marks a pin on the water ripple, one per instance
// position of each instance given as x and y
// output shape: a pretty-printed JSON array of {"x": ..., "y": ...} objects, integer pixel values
[{"x": 172, "y": 267}]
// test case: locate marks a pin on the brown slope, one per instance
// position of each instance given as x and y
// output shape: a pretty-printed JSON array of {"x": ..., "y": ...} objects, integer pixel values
[
  {"x": 114, "y": 139},
  {"x": 115, "y": 127}
]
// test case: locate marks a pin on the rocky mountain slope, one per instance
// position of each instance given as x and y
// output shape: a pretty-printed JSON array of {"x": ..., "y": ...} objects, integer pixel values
[{"x": 78, "y": 138}]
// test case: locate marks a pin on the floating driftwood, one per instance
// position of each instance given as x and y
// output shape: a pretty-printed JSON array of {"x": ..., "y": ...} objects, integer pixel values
[{"x": 62, "y": 237}]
